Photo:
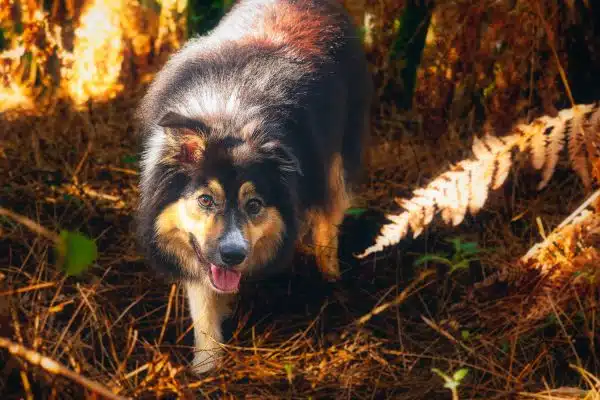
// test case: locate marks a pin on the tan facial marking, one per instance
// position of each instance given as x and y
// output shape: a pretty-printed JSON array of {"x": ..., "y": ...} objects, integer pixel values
[
  {"x": 172, "y": 235},
  {"x": 265, "y": 233},
  {"x": 215, "y": 189},
  {"x": 184, "y": 217},
  {"x": 247, "y": 191}
]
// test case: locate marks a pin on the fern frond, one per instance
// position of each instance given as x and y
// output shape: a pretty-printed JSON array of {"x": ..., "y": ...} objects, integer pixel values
[
  {"x": 466, "y": 186},
  {"x": 577, "y": 149},
  {"x": 555, "y": 143}
]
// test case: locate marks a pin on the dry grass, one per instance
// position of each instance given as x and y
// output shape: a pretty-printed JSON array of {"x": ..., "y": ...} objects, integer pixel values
[
  {"x": 294, "y": 336},
  {"x": 375, "y": 334}
]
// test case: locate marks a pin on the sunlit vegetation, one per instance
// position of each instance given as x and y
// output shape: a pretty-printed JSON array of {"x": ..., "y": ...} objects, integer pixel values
[{"x": 482, "y": 283}]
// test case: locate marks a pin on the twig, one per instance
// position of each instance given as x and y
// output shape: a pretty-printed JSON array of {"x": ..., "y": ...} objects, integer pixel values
[
  {"x": 169, "y": 305},
  {"x": 397, "y": 301},
  {"x": 90, "y": 144},
  {"x": 592, "y": 381},
  {"x": 30, "y": 224},
  {"x": 31, "y": 288},
  {"x": 54, "y": 367},
  {"x": 126, "y": 171},
  {"x": 561, "y": 70},
  {"x": 569, "y": 338}
]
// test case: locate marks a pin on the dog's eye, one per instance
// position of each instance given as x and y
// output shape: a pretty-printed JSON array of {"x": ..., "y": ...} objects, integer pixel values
[
  {"x": 254, "y": 206},
  {"x": 206, "y": 201}
]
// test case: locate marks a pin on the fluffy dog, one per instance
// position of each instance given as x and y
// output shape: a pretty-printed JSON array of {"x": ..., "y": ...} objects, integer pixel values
[{"x": 250, "y": 134}]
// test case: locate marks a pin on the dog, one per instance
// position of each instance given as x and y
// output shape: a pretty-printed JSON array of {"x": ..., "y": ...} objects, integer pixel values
[{"x": 252, "y": 136}]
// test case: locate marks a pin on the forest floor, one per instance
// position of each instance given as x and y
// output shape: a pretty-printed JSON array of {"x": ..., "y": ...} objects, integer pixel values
[{"x": 377, "y": 333}]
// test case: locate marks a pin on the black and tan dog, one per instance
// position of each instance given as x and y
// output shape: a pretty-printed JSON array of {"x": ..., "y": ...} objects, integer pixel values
[{"x": 251, "y": 133}]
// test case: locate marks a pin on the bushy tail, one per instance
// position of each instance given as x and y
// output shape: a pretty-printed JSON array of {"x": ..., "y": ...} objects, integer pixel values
[{"x": 465, "y": 187}]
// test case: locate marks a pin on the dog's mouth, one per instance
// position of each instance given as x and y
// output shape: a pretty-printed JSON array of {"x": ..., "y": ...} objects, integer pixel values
[{"x": 224, "y": 280}]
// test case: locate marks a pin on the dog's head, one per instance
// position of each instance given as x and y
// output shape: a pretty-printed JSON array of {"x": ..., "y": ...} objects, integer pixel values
[{"x": 216, "y": 203}]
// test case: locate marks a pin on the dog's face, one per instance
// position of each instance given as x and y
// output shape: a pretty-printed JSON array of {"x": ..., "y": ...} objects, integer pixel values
[
  {"x": 226, "y": 218},
  {"x": 221, "y": 230}
]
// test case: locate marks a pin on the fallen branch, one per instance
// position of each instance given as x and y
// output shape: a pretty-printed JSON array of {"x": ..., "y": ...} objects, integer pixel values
[
  {"x": 56, "y": 368},
  {"x": 30, "y": 224}
]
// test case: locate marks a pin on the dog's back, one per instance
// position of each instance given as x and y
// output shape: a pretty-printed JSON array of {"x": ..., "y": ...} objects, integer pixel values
[{"x": 293, "y": 63}]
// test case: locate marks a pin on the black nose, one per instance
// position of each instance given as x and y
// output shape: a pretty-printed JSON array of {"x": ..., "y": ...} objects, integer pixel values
[{"x": 233, "y": 253}]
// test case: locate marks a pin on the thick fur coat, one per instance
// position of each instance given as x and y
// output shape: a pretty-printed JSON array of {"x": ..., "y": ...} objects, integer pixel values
[{"x": 251, "y": 136}]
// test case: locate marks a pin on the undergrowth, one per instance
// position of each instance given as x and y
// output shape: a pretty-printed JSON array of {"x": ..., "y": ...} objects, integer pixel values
[
  {"x": 383, "y": 330},
  {"x": 457, "y": 312}
]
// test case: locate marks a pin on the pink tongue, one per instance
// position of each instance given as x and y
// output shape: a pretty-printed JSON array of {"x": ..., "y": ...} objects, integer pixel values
[{"x": 225, "y": 279}]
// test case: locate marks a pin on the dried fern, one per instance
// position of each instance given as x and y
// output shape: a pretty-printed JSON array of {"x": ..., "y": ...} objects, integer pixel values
[{"x": 465, "y": 187}]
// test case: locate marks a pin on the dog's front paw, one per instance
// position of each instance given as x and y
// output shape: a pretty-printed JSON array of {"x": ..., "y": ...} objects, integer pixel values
[
  {"x": 328, "y": 263},
  {"x": 205, "y": 361}
]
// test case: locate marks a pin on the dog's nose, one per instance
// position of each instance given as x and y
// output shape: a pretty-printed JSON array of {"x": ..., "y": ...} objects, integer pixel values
[{"x": 232, "y": 253}]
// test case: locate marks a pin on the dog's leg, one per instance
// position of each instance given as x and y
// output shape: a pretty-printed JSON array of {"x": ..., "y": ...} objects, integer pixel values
[
  {"x": 326, "y": 222},
  {"x": 326, "y": 246},
  {"x": 207, "y": 309}
]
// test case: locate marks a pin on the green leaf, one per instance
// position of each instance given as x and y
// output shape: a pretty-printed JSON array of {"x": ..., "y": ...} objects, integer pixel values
[
  {"x": 488, "y": 90},
  {"x": 465, "y": 334},
  {"x": 18, "y": 27},
  {"x": 130, "y": 159},
  {"x": 456, "y": 242},
  {"x": 356, "y": 211},
  {"x": 464, "y": 264},
  {"x": 470, "y": 248},
  {"x": 27, "y": 57},
  {"x": 289, "y": 371},
  {"x": 451, "y": 385},
  {"x": 442, "y": 375},
  {"x": 460, "y": 374},
  {"x": 440, "y": 258},
  {"x": 3, "y": 41},
  {"x": 76, "y": 251}
]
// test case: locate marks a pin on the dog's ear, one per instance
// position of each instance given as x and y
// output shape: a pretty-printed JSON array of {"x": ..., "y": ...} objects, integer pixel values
[
  {"x": 180, "y": 124},
  {"x": 188, "y": 137},
  {"x": 282, "y": 155}
]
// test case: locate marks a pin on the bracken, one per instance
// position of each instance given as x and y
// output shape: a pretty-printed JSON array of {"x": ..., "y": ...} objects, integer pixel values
[{"x": 465, "y": 187}]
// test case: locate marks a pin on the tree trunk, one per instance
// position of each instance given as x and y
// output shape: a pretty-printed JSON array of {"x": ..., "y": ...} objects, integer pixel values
[
  {"x": 405, "y": 54},
  {"x": 583, "y": 45}
]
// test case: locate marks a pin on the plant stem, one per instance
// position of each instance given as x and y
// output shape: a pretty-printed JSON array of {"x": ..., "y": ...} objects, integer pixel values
[
  {"x": 30, "y": 224},
  {"x": 54, "y": 367}
]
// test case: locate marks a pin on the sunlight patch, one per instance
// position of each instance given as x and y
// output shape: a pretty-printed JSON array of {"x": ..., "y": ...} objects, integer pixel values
[{"x": 98, "y": 53}]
